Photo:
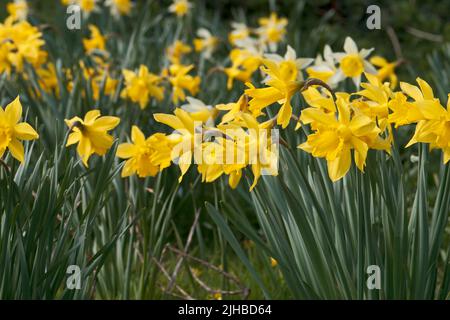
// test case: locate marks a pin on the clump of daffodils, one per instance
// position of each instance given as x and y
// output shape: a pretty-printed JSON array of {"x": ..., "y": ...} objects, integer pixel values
[{"x": 12, "y": 131}]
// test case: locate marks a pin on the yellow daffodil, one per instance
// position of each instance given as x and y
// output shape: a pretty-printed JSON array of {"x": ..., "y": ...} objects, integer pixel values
[
  {"x": 244, "y": 64},
  {"x": 87, "y": 6},
  {"x": 386, "y": 70},
  {"x": 48, "y": 79},
  {"x": 11, "y": 130},
  {"x": 145, "y": 157},
  {"x": 283, "y": 80},
  {"x": 180, "y": 80},
  {"x": 180, "y": 7},
  {"x": 184, "y": 134},
  {"x": 91, "y": 134},
  {"x": 235, "y": 157},
  {"x": 98, "y": 77},
  {"x": 206, "y": 43},
  {"x": 272, "y": 30},
  {"x": 199, "y": 111},
  {"x": 217, "y": 296},
  {"x": 177, "y": 50},
  {"x": 334, "y": 138},
  {"x": 323, "y": 68},
  {"x": 18, "y": 9},
  {"x": 319, "y": 99},
  {"x": 434, "y": 127},
  {"x": 211, "y": 165},
  {"x": 352, "y": 63},
  {"x": 262, "y": 151},
  {"x": 119, "y": 7},
  {"x": 96, "y": 41},
  {"x": 273, "y": 262},
  {"x": 141, "y": 86}
]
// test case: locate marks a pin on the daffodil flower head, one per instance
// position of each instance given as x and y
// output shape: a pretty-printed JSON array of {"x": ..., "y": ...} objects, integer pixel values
[
  {"x": 20, "y": 43},
  {"x": 205, "y": 42},
  {"x": 282, "y": 83},
  {"x": 240, "y": 34},
  {"x": 86, "y": 6},
  {"x": 91, "y": 134},
  {"x": 96, "y": 41},
  {"x": 323, "y": 68},
  {"x": 177, "y": 50},
  {"x": 335, "y": 137},
  {"x": 12, "y": 130},
  {"x": 243, "y": 64},
  {"x": 141, "y": 86},
  {"x": 272, "y": 30},
  {"x": 352, "y": 63},
  {"x": 434, "y": 127},
  {"x": 119, "y": 8},
  {"x": 18, "y": 9},
  {"x": 184, "y": 134},
  {"x": 199, "y": 111},
  {"x": 235, "y": 109},
  {"x": 145, "y": 156},
  {"x": 180, "y": 7},
  {"x": 180, "y": 80},
  {"x": 386, "y": 70}
]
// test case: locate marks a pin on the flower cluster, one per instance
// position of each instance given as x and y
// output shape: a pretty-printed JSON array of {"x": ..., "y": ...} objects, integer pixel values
[{"x": 20, "y": 43}]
